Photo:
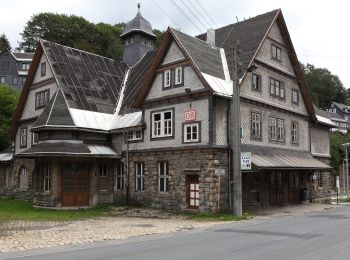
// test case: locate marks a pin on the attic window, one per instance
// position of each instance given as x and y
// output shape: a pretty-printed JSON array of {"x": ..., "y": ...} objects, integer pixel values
[
  {"x": 42, "y": 98},
  {"x": 178, "y": 75},
  {"x": 295, "y": 96},
  {"x": 25, "y": 66},
  {"x": 43, "y": 69},
  {"x": 167, "y": 79},
  {"x": 276, "y": 53}
]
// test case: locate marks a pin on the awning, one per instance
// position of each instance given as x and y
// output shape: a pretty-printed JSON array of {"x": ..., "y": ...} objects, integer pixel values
[
  {"x": 68, "y": 149},
  {"x": 5, "y": 157},
  {"x": 281, "y": 159}
]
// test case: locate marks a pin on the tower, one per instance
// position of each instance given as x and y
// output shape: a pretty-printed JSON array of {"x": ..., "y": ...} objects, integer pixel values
[{"x": 137, "y": 38}]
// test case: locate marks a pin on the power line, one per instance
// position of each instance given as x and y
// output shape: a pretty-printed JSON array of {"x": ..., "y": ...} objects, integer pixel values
[
  {"x": 165, "y": 13},
  {"x": 206, "y": 13},
  {"x": 179, "y": 8},
  {"x": 194, "y": 15},
  {"x": 195, "y": 8}
]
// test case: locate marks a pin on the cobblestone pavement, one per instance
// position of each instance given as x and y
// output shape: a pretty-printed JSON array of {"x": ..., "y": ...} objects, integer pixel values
[{"x": 22, "y": 235}]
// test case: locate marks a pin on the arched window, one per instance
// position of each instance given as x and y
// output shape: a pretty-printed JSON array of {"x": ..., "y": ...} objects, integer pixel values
[{"x": 23, "y": 178}]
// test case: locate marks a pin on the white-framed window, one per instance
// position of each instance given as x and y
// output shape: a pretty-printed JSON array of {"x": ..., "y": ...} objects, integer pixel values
[
  {"x": 25, "y": 66},
  {"x": 256, "y": 82},
  {"x": 43, "y": 69},
  {"x": 42, "y": 98},
  {"x": 276, "y": 52},
  {"x": 162, "y": 123},
  {"x": 23, "y": 178},
  {"x": 276, "y": 127},
  {"x": 295, "y": 133},
  {"x": 295, "y": 96},
  {"x": 120, "y": 177},
  {"x": 103, "y": 169},
  {"x": 35, "y": 138},
  {"x": 139, "y": 176},
  {"x": 178, "y": 75},
  {"x": 256, "y": 125},
  {"x": 135, "y": 135},
  {"x": 276, "y": 88},
  {"x": 23, "y": 137},
  {"x": 2, "y": 79},
  {"x": 45, "y": 171},
  {"x": 14, "y": 81},
  {"x": 191, "y": 132},
  {"x": 163, "y": 176},
  {"x": 167, "y": 79}
]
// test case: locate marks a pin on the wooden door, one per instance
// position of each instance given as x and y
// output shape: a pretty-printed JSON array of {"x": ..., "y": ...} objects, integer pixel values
[
  {"x": 276, "y": 192},
  {"x": 192, "y": 191},
  {"x": 293, "y": 188},
  {"x": 75, "y": 184}
]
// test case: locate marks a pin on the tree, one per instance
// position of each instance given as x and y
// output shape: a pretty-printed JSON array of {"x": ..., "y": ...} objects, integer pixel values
[
  {"x": 4, "y": 43},
  {"x": 160, "y": 36},
  {"x": 324, "y": 86},
  {"x": 8, "y": 102}
]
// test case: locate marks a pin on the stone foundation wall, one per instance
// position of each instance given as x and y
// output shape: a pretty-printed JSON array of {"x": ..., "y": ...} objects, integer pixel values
[{"x": 201, "y": 162}]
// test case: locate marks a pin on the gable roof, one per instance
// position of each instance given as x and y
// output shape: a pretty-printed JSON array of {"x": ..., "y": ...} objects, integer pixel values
[
  {"x": 23, "y": 56},
  {"x": 208, "y": 62},
  {"x": 88, "y": 81},
  {"x": 342, "y": 107}
]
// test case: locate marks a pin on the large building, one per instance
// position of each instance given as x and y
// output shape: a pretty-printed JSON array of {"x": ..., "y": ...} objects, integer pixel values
[
  {"x": 14, "y": 67},
  {"x": 153, "y": 128}
]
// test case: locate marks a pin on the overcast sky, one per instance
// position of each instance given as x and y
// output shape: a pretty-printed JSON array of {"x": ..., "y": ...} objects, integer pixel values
[{"x": 318, "y": 28}]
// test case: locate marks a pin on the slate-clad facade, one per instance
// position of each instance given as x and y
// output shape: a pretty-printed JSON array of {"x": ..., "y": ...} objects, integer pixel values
[{"x": 153, "y": 129}]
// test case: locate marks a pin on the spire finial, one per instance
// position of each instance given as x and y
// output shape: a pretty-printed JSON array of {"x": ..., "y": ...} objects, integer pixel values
[{"x": 139, "y": 6}]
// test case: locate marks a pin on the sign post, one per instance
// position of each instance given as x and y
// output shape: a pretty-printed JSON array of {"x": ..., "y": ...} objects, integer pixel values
[
  {"x": 338, "y": 187},
  {"x": 246, "y": 161}
]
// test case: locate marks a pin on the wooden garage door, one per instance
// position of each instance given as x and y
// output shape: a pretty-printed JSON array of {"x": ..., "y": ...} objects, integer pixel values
[{"x": 75, "y": 184}]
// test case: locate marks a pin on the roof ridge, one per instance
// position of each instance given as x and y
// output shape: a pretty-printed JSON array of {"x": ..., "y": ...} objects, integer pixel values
[{"x": 90, "y": 53}]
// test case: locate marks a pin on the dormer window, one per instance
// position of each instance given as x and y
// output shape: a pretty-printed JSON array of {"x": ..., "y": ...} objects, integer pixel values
[
  {"x": 276, "y": 53},
  {"x": 178, "y": 75},
  {"x": 167, "y": 79}
]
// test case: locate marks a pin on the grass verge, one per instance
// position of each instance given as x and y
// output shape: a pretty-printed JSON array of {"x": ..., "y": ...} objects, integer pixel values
[
  {"x": 23, "y": 210},
  {"x": 200, "y": 216}
]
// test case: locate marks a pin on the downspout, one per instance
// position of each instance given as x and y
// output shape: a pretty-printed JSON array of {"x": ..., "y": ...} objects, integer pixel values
[
  {"x": 229, "y": 158},
  {"x": 127, "y": 168}
]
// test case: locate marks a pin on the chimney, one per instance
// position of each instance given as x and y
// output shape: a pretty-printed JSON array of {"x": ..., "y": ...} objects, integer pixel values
[{"x": 211, "y": 37}]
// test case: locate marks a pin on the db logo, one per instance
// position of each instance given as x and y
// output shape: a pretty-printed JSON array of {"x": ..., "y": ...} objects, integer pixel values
[{"x": 190, "y": 115}]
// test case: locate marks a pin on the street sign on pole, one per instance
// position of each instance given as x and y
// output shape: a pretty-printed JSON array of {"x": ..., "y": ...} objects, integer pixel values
[{"x": 246, "y": 161}]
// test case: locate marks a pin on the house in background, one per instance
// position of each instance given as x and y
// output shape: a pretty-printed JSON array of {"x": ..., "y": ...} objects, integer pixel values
[
  {"x": 14, "y": 67},
  {"x": 153, "y": 128},
  {"x": 340, "y": 115}
]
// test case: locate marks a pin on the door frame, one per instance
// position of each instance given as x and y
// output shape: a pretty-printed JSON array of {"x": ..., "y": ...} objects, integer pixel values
[{"x": 188, "y": 190}]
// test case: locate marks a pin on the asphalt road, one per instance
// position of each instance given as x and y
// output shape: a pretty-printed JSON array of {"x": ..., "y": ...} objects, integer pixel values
[{"x": 324, "y": 235}]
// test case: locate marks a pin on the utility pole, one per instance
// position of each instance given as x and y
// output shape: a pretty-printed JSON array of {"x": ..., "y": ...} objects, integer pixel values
[{"x": 235, "y": 129}]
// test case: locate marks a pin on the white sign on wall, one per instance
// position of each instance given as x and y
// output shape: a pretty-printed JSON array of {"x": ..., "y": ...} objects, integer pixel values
[
  {"x": 219, "y": 172},
  {"x": 246, "y": 161}
]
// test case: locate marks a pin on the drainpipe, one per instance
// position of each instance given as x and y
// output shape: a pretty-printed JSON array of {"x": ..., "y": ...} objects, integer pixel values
[
  {"x": 228, "y": 136},
  {"x": 127, "y": 167}
]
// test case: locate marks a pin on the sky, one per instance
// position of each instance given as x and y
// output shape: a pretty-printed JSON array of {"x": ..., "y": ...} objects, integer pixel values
[{"x": 318, "y": 28}]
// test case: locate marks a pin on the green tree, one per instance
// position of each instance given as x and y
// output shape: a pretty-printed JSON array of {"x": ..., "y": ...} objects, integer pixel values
[
  {"x": 160, "y": 36},
  {"x": 324, "y": 86},
  {"x": 4, "y": 43},
  {"x": 8, "y": 102}
]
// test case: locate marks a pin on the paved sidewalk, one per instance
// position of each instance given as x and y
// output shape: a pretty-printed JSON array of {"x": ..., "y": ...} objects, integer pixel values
[{"x": 23, "y": 235}]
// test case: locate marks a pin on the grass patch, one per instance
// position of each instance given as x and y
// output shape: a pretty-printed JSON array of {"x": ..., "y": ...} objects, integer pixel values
[
  {"x": 200, "y": 216},
  {"x": 23, "y": 210}
]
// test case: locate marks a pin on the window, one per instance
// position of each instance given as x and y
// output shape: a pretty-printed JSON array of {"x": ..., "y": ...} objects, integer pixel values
[
  {"x": 35, "y": 138},
  {"x": 120, "y": 177},
  {"x": 295, "y": 96},
  {"x": 167, "y": 79},
  {"x": 42, "y": 98},
  {"x": 163, "y": 173},
  {"x": 139, "y": 174},
  {"x": 276, "y": 129},
  {"x": 162, "y": 123},
  {"x": 23, "y": 178},
  {"x": 256, "y": 82},
  {"x": 256, "y": 126},
  {"x": 23, "y": 137},
  {"x": 135, "y": 135},
  {"x": 276, "y": 52},
  {"x": 5, "y": 65},
  {"x": 44, "y": 170},
  {"x": 43, "y": 69},
  {"x": 14, "y": 81},
  {"x": 2, "y": 79},
  {"x": 103, "y": 169},
  {"x": 178, "y": 75},
  {"x": 191, "y": 133},
  {"x": 295, "y": 133},
  {"x": 25, "y": 66},
  {"x": 276, "y": 88}
]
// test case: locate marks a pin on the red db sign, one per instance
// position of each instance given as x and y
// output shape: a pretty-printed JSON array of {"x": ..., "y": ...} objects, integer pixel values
[{"x": 190, "y": 115}]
